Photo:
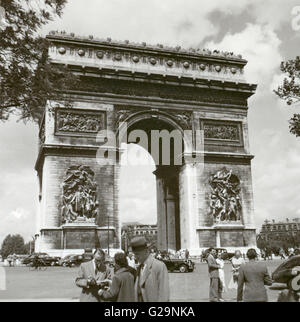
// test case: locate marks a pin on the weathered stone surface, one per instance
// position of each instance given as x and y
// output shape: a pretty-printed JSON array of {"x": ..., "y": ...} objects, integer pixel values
[{"x": 171, "y": 89}]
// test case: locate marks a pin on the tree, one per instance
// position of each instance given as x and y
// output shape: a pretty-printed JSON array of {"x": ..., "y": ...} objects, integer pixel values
[
  {"x": 12, "y": 244},
  {"x": 289, "y": 91},
  {"x": 27, "y": 77}
]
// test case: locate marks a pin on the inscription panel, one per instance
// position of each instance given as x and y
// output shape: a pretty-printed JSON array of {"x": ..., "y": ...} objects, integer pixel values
[
  {"x": 222, "y": 132},
  {"x": 79, "y": 122}
]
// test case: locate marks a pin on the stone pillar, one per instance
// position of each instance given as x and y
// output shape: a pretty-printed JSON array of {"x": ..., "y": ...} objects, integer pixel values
[{"x": 188, "y": 206}]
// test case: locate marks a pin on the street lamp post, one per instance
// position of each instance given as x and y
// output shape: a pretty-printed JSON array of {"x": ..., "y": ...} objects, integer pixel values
[{"x": 108, "y": 234}]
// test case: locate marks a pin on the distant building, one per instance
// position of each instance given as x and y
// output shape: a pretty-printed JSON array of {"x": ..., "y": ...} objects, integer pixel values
[
  {"x": 281, "y": 229},
  {"x": 131, "y": 230}
]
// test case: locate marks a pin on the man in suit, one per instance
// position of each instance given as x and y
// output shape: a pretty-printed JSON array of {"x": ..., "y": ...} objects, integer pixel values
[
  {"x": 91, "y": 275},
  {"x": 254, "y": 276},
  {"x": 122, "y": 286},
  {"x": 215, "y": 287},
  {"x": 152, "y": 281}
]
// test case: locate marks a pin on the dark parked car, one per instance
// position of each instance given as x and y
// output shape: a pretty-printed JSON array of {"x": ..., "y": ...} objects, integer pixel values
[
  {"x": 225, "y": 255},
  {"x": 76, "y": 260},
  {"x": 44, "y": 257},
  {"x": 177, "y": 264},
  {"x": 71, "y": 260}
]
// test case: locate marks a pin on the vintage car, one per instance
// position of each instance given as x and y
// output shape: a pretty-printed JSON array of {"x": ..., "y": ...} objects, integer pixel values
[
  {"x": 44, "y": 257},
  {"x": 177, "y": 264},
  {"x": 76, "y": 259},
  {"x": 71, "y": 260}
]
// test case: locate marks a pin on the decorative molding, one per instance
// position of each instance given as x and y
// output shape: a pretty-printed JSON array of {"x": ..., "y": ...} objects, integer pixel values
[
  {"x": 42, "y": 135},
  {"x": 164, "y": 91},
  {"x": 79, "y": 122},
  {"x": 189, "y": 63},
  {"x": 160, "y": 47},
  {"x": 183, "y": 118}
]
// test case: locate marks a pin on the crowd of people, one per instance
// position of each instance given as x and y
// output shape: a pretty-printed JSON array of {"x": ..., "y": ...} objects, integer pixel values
[
  {"x": 126, "y": 281},
  {"x": 139, "y": 276},
  {"x": 248, "y": 278}
]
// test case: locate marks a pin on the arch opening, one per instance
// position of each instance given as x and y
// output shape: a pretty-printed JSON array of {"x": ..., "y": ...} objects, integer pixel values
[{"x": 157, "y": 148}]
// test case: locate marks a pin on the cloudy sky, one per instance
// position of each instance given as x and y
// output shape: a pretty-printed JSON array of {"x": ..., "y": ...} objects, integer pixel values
[{"x": 261, "y": 30}]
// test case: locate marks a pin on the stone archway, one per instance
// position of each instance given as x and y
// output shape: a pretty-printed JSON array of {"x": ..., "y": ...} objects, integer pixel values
[
  {"x": 142, "y": 125},
  {"x": 146, "y": 86}
]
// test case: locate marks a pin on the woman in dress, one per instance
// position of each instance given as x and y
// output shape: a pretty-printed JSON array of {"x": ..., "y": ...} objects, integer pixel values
[{"x": 236, "y": 261}]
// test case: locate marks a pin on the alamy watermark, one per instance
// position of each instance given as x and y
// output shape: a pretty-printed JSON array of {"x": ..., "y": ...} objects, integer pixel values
[
  {"x": 296, "y": 20},
  {"x": 165, "y": 147}
]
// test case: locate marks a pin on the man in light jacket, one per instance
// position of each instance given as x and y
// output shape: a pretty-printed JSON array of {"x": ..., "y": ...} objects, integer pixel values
[
  {"x": 152, "y": 281},
  {"x": 91, "y": 274}
]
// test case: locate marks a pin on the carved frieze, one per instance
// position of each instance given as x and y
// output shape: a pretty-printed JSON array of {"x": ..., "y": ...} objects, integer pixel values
[
  {"x": 183, "y": 118},
  {"x": 225, "y": 201},
  {"x": 144, "y": 89},
  {"x": 222, "y": 132},
  {"x": 80, "y": 121},
  {"x": 79, "y": 195}
]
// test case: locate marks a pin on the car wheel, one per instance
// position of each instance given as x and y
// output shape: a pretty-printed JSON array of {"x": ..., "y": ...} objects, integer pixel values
[
  {"x": 52, "y": 263},
  {"x": 64, "y": 264},
  {"x": 182, "y": 269}
]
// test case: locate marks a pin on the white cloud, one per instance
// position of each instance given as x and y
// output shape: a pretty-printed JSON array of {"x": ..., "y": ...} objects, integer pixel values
[
  {"x": 20, "y": 213},
  {"x": 260, "y": 46}
]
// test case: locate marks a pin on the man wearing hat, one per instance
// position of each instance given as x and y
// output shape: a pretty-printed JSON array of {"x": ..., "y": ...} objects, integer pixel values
[{"x": 152, "y": 281}]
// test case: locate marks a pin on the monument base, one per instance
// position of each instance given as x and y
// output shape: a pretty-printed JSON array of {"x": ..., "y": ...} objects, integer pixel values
[
  {"x": 73, "y": 238},
  {"x": 229, "y": 236}
]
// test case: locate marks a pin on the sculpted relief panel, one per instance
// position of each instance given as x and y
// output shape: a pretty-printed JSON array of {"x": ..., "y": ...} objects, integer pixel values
[
  {"x": 79, "y": 195},
  {"x": 225, "y": 202},
  {"x": 79, "y": 122},
  {"x": 222, "y": 132}
]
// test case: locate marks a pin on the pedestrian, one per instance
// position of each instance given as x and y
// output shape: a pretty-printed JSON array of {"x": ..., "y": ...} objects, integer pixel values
[
  {"x": 253, "y": 276},
  {"x": 152, "y": 282},
  {"x": 91, "y": 275},
  {"x": 281, "y": 253},
  {"x": 121, "y": 288},
  {"x": 236, "y": 262},
  {"x": 131, "y": 260},
  {"x": 215, "y": 287},
  {"x": 187, "y": 254},
  {"x": 221, "y": 263}
]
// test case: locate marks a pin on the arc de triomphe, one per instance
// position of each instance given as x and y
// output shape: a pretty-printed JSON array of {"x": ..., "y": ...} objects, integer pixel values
[{"x": 204, "y": 201}]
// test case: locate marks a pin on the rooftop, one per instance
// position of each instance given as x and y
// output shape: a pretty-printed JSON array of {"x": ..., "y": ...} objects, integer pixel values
[{"x": 158, "y": 47}]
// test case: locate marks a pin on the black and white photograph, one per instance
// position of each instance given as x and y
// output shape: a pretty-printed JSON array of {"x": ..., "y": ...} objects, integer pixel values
[{"x": 149, "y": 152}]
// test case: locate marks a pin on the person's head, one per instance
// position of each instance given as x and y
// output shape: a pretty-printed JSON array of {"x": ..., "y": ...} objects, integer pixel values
[
  {"x": 237, "y": 254},
  {"x": 213, "y": 252},
  {"x": 120, "y": 260},
  {"x": 219, "y": 255},
  {"x": 140, "y": 249},
  {"x": 99, "y": 256},
  {"x": 251, "y": 254}
]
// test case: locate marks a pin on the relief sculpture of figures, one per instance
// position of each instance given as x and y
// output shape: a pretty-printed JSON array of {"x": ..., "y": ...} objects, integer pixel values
[
  {"x": 78, "y": 122},
  {"x": 225, "y": 203},
  {"x": 79, "y": 198}
]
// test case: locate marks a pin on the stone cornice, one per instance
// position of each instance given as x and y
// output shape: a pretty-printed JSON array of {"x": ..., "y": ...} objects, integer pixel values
[
  {"x": 87, "y": 56},
  {"x": 216, "y": 55}
]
